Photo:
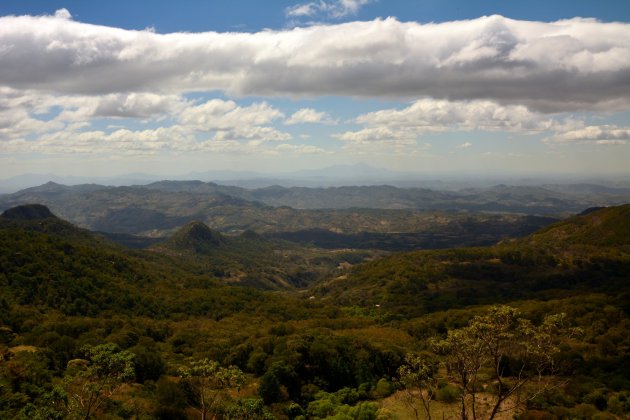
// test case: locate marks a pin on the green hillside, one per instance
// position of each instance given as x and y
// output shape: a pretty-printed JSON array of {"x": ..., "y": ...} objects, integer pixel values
[
  {"x": 606, "y": 227},
  {"x": 584, "y": 253},
  {"x": 49, "y": 263},
  {"x": 248, "y": 259},
  {"x": 71, "y": 301}
]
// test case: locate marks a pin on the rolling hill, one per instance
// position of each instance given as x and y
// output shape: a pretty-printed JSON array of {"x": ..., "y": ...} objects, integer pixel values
[
  {"x": 589, "y": 252},
  {"x": 249, "y": 259}
]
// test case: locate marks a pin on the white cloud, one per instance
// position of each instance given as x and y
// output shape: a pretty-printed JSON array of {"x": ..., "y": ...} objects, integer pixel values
[
  {"x": 554, "y": 67},
  {"x": 332, "y": 9},
  {"x": 121, "y": 141},
  {"x": 137, "y": 105},
  {"x": 603, "y": 135},
  {"x": 370, "y": 135},
  {"x": 232, "y": 122},
  {"x": 81, "y": 107},
  {"x": 300, "y": 149},
  {"x": 300, "y": 10},
  {"x": 430, "y": 115},
  {"x": 63, "y": 14},
  {"x": 16, "y": 123},
  {"x": 197, "y": 124},
  {"x": 465, "y": 145},
  {"x": 309, "y": 115},
  {"x": 611, "y": 142},
  {"x": 217, "y": 114}
]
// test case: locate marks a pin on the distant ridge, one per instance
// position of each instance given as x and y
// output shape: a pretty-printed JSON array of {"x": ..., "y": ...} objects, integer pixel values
[{"x": 28, "y": 212}]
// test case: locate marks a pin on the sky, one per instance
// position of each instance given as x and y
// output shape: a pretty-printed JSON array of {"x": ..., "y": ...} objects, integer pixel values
[{"x": 167, "y": 88}]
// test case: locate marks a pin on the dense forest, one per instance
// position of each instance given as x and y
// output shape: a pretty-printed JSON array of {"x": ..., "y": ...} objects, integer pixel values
[{"x": 242, "y": 326}]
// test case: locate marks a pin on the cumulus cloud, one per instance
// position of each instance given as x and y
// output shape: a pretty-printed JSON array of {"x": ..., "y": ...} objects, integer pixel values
[
  {"x": 193, "y": 126},
  {"x": 121, "y": 141},
  {"x": 217, "y": 114},
  {"x": 136, "y": 105},
  {"x": 332, "y": 9},
  {"x": 604, "y": 135},
  {"x": 401, "y": 136},
  {"x": 465, "y": 145},
  {"x": 427, "y": 115},
  {"x": 309, "y": 115},
  {"x": 553, "y": 67},
  {"x": 430, "y": 115}
]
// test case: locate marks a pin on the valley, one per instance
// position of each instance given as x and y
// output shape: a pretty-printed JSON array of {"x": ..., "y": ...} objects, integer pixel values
[{"x": 318, "y": 309}]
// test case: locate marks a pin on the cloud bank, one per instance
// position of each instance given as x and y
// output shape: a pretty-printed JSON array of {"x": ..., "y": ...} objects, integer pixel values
[{"x": 577, "y": 64}]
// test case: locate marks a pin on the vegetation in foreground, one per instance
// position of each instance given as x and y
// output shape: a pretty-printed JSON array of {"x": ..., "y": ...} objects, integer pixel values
[{"x": 90, "y": 329}]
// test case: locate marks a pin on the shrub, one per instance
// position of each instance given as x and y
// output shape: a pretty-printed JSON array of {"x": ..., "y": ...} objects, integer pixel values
[{"x": 448, "y": 394}]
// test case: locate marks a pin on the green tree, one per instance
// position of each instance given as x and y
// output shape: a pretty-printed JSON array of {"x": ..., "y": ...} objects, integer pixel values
[
  {"x": 207, "y": 380},
  {"x": 464, "y": 357},
  {"x": 249, "y": 409},
  {"x": 510, "y": 349},
  {"x": 418, "y": 378},
  {"x": 90, "y": 381}
]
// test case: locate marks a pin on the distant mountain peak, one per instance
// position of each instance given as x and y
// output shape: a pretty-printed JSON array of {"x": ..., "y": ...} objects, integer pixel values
[
  {"x": 28, "y": 212},
  {"x": 196, "y": 235}
]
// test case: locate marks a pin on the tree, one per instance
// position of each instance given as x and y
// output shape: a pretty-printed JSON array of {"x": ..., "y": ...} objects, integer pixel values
[
  {"x": 419, "y": 373},
  {"x": 249, "y": 409},
  {"x": 464, "y": 357},
  {"x": 206, "y": 380},
  {"x": 92, "y": 380},
  {"x": 507, "y": 347}
]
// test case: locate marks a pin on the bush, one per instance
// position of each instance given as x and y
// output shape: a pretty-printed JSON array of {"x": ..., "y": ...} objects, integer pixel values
[
  {"x": 384, "y": 388},
  {"x": 448, "y": 394}
]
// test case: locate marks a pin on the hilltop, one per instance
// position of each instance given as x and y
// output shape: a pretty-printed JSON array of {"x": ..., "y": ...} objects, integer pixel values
[
  {"x": 28, "y": 212},
  {"x": 197, "y": 237},
  {"x": 249, "y": 259}
]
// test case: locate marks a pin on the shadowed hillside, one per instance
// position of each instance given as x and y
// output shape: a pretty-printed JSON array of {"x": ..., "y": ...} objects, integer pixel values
[{"x": 586, "y": 252}]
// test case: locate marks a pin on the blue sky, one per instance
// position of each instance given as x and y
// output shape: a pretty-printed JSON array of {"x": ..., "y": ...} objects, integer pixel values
[{"x": 513, "y": 87}]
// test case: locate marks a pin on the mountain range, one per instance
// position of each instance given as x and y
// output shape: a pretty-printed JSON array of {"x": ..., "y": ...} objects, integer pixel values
[
  {"x": 377, "y": 217},
  {"x": 359, "y": 174}
]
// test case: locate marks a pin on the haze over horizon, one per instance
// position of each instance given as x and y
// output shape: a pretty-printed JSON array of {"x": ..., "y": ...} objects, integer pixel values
[{"x": 456, "y": 87}]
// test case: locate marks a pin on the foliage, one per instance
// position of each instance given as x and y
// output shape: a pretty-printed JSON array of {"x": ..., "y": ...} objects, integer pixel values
[
  {"x": 511, "y": 349},
  {"x": 205, "y": 381},
  {"x": 91, "y": 381},
  {"x": 418, "y": 376},
  {"x": 65, "y": 294}
]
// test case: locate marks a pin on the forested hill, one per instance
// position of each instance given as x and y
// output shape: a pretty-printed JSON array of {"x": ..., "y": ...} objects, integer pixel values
[
  {"x": 70, "y": 300},
  {"x": 603, "y": 227},
  {"x": 48, "y": 263},
  {"x": 581, "y": 254},
  {"x": 249, "y": 259}
]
